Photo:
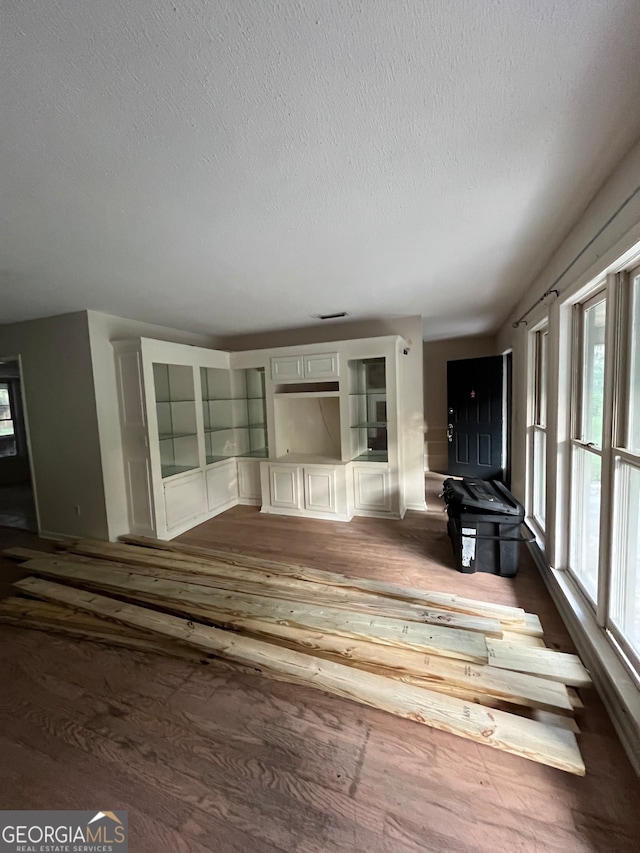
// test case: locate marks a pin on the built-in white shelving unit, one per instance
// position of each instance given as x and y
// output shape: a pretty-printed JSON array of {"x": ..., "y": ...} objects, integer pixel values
[
  {"x": 176, "y": 416},
  {"x": 368, "y": 410},
  {"x": 234, "y": 413},
  {"x": 298, "y": 430}
]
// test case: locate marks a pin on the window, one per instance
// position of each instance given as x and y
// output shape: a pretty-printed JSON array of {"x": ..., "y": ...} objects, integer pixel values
[
  {"x": 587, "y": 443},
  {"x": 538, "y": 464},
  {"x": 604, "y": 511},
  {"x": 7, "y": 428},
  {"x": 624, "y": 594}
]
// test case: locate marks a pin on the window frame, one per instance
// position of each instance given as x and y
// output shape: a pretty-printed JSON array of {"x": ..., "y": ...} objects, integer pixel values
[
  {"x": 620, "y": 453},
  {"x": 600, "y": 292},
  {"x": 13, "y": 436},
  {"x": 539, "y": 361}
]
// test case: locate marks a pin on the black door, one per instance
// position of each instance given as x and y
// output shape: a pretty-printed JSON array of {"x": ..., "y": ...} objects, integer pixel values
[{"x": 475, "y": 417}]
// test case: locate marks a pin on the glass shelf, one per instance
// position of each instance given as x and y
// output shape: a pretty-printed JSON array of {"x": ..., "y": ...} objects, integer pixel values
[
  {"x": 229, "y": 399},
  {"x": 176, "y": 413},
  {"x": 169, "y": 436},
  {"x": 261, "y": 453},
  {"x": 234, "y": 413},
  {"x": 370, "y": 425},
  {"x": 170, "y": 470},
  {"x": 373, "y": 456},
  {"x": 368, "y": 410},
  {"x": 212, "y": 459},
  {"x": 238, "y": 426}
]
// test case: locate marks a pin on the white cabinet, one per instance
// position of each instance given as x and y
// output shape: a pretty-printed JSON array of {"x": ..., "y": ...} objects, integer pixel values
[
  {"x": 283, "y": 487},
  {"x": 196, "y": 423},
  {"x": 222, "y": 486},
  {"x": 178, "y": 471},
  {"x": 135, "y": 442},
  {"x": 287, "y": 368},
  {"x": 320, "y": 489},
  {"x": 321, "y": 366},
  {"x": 314, "y": 491},
  {"x": 296, "y": 368},
  {"x": 337, "y": 416},
  {"x": 372, "y": 490},
  {"x": 249, "y": 489},
  {"x": 184, "y": 500}
]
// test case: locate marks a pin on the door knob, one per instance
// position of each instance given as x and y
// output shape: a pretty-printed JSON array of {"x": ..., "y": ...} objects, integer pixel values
[{"x": 449, "y": 432}]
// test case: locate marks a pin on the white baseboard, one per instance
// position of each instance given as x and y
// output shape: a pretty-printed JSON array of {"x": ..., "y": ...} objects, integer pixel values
[
  {"x": 614, "y": 683},
  {"x": 58, "y": 537}
]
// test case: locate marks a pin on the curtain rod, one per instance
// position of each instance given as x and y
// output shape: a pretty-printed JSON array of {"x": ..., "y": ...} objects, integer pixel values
[{"x": 553, "y": 289}]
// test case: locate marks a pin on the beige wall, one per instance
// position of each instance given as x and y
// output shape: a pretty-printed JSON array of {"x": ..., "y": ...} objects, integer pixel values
[
  {"x": 410, "y": 328},
  {"x": 103, "y": 328},
  {"x": 596, "y": 252},
  {"x": 436, "y": 356},
  {"x": 61, "y": 418},
  {"x": 72, "y": 411}
]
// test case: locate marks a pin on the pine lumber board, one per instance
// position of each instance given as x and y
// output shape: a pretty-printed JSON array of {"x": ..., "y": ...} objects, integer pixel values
[
  {"x": 433, "y": 671},
  {"x": 547, "y": 663},
  {"x": 507, "y": 615},
  {"x": 126, "y": 641},
  {"x": 66, "y": 621},
  {"x": 502, "y": 612},
  {"x": 533, "y": 626},
  {"x": 523, "y": 639},
  {"x": 555, "y": 720},
  {"x": 551, "y": 745},
  {"x": 430, "y": 639},
  {"x": 474, "y": 682},
  {"x": 574, "y": 698},
  {"x": 261, "y": 585},
  {"x": 65, "y": 628},
  {"x": 18, "y": 610}
]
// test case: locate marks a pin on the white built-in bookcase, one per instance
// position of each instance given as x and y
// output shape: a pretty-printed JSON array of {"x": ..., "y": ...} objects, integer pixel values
[{"x": 310, "y": 431}]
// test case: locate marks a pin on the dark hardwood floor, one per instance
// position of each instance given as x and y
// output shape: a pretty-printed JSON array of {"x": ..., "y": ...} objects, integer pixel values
[{"x": 207, "y": 759}]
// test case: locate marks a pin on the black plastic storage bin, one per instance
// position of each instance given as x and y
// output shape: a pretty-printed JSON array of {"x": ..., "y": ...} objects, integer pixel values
[{"x": 484, "y": 526}]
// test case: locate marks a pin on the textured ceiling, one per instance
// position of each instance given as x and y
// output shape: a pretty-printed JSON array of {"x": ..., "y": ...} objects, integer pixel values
[{"x": 242, "y": 165}]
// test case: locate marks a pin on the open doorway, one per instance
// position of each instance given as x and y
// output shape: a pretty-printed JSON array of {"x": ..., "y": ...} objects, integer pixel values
[{"x": 17, "y": 497}]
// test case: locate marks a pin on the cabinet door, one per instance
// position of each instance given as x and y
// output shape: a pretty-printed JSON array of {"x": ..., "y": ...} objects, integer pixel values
[
  {"x": 222, "y": 486},
  {"x": 140, "y": 495},
  {"x": 372, "y": 489},
  {"x": 287, "y": 368},
  {"x": 185, "y": 498},
  {"x": 320, "y": 489},
  {"x": 321, "y": 366},
  {"x": 135, "y": 443},
  {"x": 249, "y": 480},
  {"x": 284, "y": 486}
]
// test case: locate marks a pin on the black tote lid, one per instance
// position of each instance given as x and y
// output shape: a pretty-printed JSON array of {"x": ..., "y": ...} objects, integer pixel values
[{"x": 481, "y": 496}]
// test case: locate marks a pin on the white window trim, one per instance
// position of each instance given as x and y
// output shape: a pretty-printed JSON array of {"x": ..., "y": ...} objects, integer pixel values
[
  {"x": 615, "y": 679},
  {"x": 538, "y": 530}
]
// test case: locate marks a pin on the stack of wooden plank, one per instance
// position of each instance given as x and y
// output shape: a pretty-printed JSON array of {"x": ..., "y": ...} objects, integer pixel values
[{"x": 476, "y": 669}]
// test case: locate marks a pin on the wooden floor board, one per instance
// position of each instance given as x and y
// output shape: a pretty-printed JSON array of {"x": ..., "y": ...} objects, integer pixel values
[{"x": 209, "y": 759}]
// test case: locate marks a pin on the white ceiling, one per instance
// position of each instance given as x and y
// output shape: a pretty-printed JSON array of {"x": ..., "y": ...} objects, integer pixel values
[{"x": 242, "y": 165}]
